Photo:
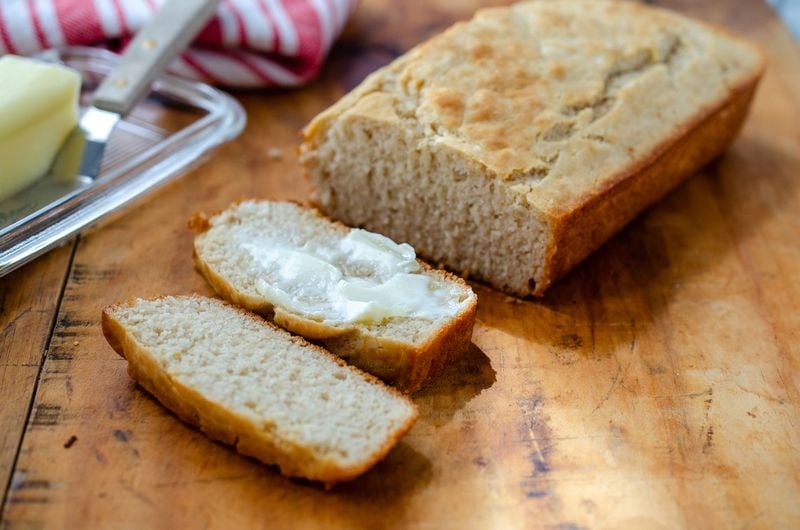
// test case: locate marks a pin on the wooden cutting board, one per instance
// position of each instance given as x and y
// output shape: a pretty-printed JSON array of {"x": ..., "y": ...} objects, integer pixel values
[{"x": 654, "y": 387}]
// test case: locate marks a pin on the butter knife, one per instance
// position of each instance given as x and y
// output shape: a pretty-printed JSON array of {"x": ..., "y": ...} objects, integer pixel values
[{"x": 170, "y": 30}]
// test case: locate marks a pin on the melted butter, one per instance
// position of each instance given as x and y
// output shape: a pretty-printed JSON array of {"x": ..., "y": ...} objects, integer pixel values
[
  {"x": 364, "y": 246},
  {"x": 366, "y": 277}
]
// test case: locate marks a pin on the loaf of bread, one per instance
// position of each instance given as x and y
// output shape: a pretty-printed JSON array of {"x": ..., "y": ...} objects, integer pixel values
[
  {"x": 360, "y": 295},
  {"x": 247, "y": 383},
  {"x": 513, "y": 145}
]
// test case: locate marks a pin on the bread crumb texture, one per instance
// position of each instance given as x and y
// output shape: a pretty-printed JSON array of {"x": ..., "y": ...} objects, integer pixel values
[{"x": 251, "y": 384}]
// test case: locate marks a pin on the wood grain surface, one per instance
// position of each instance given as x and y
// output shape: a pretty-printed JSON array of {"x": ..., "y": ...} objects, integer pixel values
[
  {"x": 29, "y": 300},
  {"x": 656, "y": 386}
]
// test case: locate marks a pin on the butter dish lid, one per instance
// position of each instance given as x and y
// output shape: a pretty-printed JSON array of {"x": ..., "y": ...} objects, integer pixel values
[{"x": 165, "y": 135}]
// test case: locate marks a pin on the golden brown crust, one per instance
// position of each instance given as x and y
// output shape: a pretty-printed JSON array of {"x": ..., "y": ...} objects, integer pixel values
[
  {"x": 599, "y": 142},
  {"x": 577, "y": 233},
  {"x": 472, "y": 105},
  {"x": 230, "y": 428},
  {"x": 404, "y": 366}
]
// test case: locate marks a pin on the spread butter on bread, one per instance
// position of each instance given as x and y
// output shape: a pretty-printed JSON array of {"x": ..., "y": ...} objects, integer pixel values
[{"x": 359, "y": 294}]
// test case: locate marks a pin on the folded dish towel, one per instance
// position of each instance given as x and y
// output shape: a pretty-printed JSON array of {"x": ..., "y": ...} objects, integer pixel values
[{"x": 248, "y": 43}]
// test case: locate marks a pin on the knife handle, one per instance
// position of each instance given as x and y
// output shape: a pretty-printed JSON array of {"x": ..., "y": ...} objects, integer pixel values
[{"x": 170, "y": 30}]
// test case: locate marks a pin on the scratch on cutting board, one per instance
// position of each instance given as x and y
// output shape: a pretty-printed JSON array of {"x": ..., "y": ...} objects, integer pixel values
[
  {"x": 135, "y": 492},
  {"x": 205, "y": 480},
  {"x": 614, "y": 381},
  {"x": 82, "y": 274},
  {"x": 100, "y": 457},
  {"x": 536, "y": 437},
  {"x": 569, "y": 526},
  {"x": 689, "y": 395},
  {"x": 125, "y": 436},
  {"x": 14, "y": 321},
  {"x": 620, "y": 372},
  {"x": 709, "y": 441},
  {"x": 707, "y": 429},
  {"x": 122, "y": 435}
]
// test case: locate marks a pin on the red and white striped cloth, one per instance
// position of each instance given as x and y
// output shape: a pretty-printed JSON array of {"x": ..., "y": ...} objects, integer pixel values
[{"x": 248, "y": 43}]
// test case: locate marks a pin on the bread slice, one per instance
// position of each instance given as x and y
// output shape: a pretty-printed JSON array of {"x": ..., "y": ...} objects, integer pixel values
[
  {"x": 513, "y": 145},
  {"x": 402, "y": 350},
  {"x": 247, "y": 383}
]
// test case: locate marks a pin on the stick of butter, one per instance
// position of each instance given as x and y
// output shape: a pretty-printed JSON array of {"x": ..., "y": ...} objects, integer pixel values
[{"x": 38, "y": 109}]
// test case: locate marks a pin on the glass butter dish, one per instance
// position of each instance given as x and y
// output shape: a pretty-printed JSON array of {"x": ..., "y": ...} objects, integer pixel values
[{"x": 166, "y": 134}]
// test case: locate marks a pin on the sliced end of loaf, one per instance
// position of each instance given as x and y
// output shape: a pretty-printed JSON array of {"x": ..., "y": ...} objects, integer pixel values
[{"x": 373, "y": 174}]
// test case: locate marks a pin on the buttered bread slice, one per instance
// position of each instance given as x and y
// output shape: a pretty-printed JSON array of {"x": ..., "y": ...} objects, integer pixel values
[
  {"x": 361, "y": 295},
  {"x": 247, "y": 383},
  {"x": 513, "y": 145}
]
